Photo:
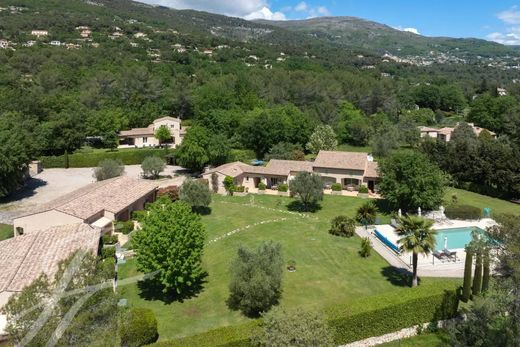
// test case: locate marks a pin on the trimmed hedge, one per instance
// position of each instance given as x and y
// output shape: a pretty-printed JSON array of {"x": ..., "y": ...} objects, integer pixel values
[
  {"x": 92, "y": 159},
  {"x": 283, "y": 188},
  {"x": 336, "y": 187},
  {"x": 139, "y": 328},
  {"x": 230, "y": 336},
  {"x": 463, "y": 212},
  {"x": 367, "y": 317},
  {"x": 375, "y": 316}
]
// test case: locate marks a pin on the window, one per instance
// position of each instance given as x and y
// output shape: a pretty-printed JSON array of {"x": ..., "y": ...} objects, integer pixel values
[
  {"x": 274, "y": 181},
  {"x": 19, "y": 230},
  {"x": 172, "y": 126},
  {"x": 350, "y": 182},
  {"x": 145, "y": 139},
  {"x": 247, "y": 178}
]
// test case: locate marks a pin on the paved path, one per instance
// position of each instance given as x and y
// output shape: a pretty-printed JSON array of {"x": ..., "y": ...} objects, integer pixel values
[
  {"x": 53, "y": 183},
  {"x": 438, "y": 270}
]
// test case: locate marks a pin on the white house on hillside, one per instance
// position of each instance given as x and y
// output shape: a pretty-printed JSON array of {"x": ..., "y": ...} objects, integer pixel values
[{"x": 145, "y": 137}]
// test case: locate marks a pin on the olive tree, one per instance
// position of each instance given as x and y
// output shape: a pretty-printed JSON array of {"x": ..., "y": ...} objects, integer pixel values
[
  {"x": 308, "y": 188},
  {"x": 108, "y": 168},
  {"x": 153, "y": 166}
]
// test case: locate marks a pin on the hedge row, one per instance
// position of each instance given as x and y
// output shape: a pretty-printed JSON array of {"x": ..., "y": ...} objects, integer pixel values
[
  {"x": 371, "y": 316},
  {"x": 364, "y": 319},
  {"x": 231, "y": 336},
  {"x": 127, "y": 156},
  {"x": 463, "y": 212}
]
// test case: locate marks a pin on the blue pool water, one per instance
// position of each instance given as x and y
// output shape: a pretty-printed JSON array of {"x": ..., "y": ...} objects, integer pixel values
[{"x": 457, "y": 237}]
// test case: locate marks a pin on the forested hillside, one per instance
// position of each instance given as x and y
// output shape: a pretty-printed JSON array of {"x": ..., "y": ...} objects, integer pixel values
[{"x": 106, "y": 65}]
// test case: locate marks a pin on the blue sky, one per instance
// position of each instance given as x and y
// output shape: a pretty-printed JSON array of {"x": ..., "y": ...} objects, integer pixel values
[{"x": 493, "y": 20}]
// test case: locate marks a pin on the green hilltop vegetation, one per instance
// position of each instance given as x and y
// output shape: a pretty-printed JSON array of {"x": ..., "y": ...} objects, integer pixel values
[
  {"x": 357, "y": 33},
  {"x": 243, "y": 86}
]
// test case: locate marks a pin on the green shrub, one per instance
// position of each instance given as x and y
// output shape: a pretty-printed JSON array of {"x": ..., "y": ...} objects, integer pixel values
[
  {"x": 243, "y": 155},
  {"x": 153, "y": 166},
  {"x": 172, "y": 192},
  {"x": 230, "y": 336},
  {"x": 138, "y": 327},
  {"x": 110, "y": 239},
  {"x": 366, "y": 247},
  {"x": 463, "y": 212},
  {"x": 108, "y": 168},
  {"x": 124, "y": 227},
  {"x": 261, "y": 186},
  {"x": 107, "y": 267},
  {"x": 363, "y": 189},
  {"x": 336, "y": 187},
  {"x": 139, "y": 215},
  {"x": 343, "y": 226},
  {"x": 283, "y": 187},
  {"x": 240, "y": 189},
  {"x": 79, "y": 159},
  {"x": 108, "y": 252}
]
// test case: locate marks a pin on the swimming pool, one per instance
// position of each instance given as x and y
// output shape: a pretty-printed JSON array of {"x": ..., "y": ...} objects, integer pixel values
[{"x": 455, "y": 237}]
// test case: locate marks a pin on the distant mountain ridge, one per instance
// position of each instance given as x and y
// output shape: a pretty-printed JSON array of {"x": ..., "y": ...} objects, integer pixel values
[{"x": 354, "y": 32}]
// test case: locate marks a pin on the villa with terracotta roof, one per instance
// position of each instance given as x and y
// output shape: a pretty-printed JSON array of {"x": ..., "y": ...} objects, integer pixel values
[
  {"x": 97, "y": 204},
  {"x": 145, "y": 137},
  {"x": 349, "y": 169},
  {"x": 444, "y": 134},
  {"x": 25, "y": 258}
]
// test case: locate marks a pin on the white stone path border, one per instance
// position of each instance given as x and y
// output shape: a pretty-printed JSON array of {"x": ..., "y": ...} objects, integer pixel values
[
  {"x": 398, "y": 335},
  {"x": 252, "y": 204},
  {"x": 245, "y": 228}
]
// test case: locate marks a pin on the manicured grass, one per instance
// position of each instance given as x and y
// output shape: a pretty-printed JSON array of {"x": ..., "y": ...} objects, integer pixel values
[
  {"x": 497, "y": 206},
  {"x": 329, "y": 269},
  {"x": 6, "y": 231},
  {"x": 425, "y": 340}
]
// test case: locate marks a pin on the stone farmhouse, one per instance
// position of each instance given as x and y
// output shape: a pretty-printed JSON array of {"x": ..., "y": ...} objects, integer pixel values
[
  {"x": 349, "y": 169},
  {"x": 97, "y": 204},
  {"x": 145, "y": 137},
  {"x": 444, "y": 134}
]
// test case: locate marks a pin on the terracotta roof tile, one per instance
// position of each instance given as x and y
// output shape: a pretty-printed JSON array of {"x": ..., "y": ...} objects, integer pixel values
[
  {"x": 111, "y": 195},
  {"x": 341, "y": 160},
  {"x": 24, "y": 258}
]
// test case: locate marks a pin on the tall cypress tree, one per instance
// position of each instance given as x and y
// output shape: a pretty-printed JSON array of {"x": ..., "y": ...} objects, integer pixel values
[
  {"x": 487, "y": 271},
  {"x": 466, "y": 289},
  {"x": 477, "y": 279}
]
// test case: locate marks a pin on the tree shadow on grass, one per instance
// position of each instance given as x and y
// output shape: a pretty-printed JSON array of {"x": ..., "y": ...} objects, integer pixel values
[
  {"x": 398, "y": 276},
  {"x": 151, "y": 289},
  {"x": 298, "y": 206},
  {"x": 202, "y": 210}
]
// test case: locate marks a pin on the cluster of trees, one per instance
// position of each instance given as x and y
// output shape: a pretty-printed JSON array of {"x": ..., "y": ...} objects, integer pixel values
[
  {"x": 478, "y": 163},
  {"x": 494, "y": 316}
]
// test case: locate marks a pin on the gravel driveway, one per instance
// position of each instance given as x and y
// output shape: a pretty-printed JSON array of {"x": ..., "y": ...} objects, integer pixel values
[{"x": 53, "y": 183}]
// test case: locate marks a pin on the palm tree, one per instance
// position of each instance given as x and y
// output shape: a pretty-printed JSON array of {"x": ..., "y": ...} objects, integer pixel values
[
  {"x": 416, "y": 236},
  {"x": 367, "y": 213}
]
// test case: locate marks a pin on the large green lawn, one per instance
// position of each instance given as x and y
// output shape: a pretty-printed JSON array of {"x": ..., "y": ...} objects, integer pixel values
[
  {"x": 497, "y": 206},
  {"x": 329, "y": 269},
  {"x": 6, "y": 231}
]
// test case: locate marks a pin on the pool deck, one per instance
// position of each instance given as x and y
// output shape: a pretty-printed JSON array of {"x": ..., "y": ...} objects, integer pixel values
[{"x": 428, "y": 266}]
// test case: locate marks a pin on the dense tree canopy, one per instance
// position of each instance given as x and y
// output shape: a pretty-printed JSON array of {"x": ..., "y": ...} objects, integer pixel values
[
  {"x": 409, "y": 181},
  {"x": 171, "y": 242}
]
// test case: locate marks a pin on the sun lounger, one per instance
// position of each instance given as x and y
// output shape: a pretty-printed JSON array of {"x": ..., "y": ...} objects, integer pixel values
[
  {"x": 451, "y": 255},
  {"x": 440, "y": 255}
]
